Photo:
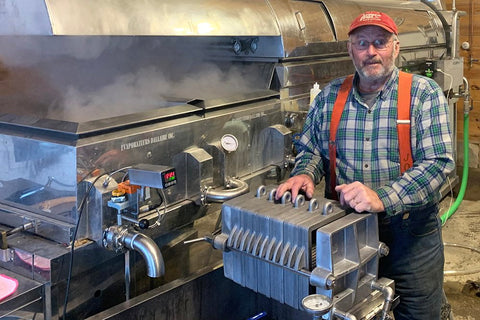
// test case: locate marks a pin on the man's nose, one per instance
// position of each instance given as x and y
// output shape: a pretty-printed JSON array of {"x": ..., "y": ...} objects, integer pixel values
[{"x": 371, "y": 50}]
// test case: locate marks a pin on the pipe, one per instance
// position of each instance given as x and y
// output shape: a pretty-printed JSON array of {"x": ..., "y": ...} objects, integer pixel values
[
  {"x": 149, "y": 251},
  {"x": 343, "y": 315},
  {"x": 460, "y": 272},
  {"x": 239, "y": 187},
  {"x": 463, "y": 185},
  {"x": 445, "y": 24},
  {"x": 26, "y": 226},
  {"x": 454, "y": 44},
  {"x": 388, "y": 293},
  {"x": 119, "y": 237},
  {"x": 127, "y": 275},
  {"x": 472, "y": 22}
]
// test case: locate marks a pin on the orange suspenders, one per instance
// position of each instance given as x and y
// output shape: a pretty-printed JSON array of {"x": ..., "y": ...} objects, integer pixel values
[
  {"x": 403, "y": 120},
  {"x": 403, "y": 124}
]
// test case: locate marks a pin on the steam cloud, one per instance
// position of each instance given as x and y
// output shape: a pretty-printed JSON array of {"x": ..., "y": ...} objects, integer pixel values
[
  {"x": 149, "y": 89},
  {"x": 87, "y": 78}
]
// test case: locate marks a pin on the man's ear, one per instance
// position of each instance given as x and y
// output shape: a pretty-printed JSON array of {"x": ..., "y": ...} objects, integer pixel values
[{"x": 396, "y": 47}]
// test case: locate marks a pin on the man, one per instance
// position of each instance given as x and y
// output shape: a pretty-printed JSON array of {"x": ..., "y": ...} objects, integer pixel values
[{"x": 369, "y": 177}]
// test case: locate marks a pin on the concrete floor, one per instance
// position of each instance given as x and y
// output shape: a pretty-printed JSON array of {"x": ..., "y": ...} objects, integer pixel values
[{"x": 462, "y": 263}]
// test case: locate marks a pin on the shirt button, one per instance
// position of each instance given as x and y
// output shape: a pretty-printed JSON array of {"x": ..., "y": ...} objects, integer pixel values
[
  {"x": 369, "y": 111},
  {"x": 366, "y": 165},
  {"x": 367, "y": 139}
]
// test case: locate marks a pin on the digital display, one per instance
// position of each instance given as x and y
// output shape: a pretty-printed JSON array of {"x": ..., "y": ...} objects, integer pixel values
[
  {"x": 169, "y": 178},
  {"x": 152, "y": 175}
]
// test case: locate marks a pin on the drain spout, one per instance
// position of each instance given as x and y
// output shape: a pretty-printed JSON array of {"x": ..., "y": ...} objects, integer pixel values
[
  {"x": 388, "y": 294},
  {"x": 149, "y": 251},
  {"x": 119, "y": 237}
]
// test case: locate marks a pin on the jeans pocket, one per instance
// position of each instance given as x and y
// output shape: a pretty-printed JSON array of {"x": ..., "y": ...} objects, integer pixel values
[{"x": 425, "y": 226}]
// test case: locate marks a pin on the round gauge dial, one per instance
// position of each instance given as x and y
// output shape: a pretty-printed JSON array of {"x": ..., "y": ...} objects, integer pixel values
[
  {"x": 229, "y": 142},
  {"x": 317, "y": 304}
]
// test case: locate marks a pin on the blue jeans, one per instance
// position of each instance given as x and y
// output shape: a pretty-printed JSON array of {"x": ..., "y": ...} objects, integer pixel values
[{"x": 415, "y": 262}]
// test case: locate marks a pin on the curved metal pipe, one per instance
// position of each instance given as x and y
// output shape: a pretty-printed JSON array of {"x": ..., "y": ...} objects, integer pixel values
[
  {"x": 119, "y": 237},
  {"x": 454, "y": 44},
  {"x": 149, "y": 251},
  {"x": 445, "y": 24},
  {"x": 239, "y": 187},
  {"x": 388, "y": 293}
]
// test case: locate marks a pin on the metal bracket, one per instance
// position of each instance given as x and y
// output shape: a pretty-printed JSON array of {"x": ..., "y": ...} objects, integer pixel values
[{"x": 6, "y": 255}]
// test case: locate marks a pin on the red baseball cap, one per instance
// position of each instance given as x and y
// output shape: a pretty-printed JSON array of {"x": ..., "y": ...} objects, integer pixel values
[{"x": 374, "y": 18}]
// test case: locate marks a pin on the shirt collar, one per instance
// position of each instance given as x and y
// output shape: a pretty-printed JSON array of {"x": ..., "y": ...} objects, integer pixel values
[{"x": 387, "y": 88}]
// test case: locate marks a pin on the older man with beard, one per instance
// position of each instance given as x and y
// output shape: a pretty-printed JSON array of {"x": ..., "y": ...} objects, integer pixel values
[{"x": 364, "y": 169}]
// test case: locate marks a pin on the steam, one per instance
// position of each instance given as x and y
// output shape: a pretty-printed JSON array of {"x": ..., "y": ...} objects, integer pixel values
[
  {"x": 148, "y": 89},
  {"x": 81, "y": 79},
  {"x": 128, "y": 93}
]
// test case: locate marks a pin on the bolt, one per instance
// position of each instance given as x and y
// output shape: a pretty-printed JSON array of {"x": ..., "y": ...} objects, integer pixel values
[
  {"x": 383, "y": 250},
  {"x": 330, "y": 282}
]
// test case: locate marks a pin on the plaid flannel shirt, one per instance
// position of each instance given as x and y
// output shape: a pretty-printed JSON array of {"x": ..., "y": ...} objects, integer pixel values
[{"x": 367, "y": 143}]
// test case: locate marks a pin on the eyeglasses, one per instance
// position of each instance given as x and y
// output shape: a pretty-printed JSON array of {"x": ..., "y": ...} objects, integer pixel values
[{"x": 379, "y": 44}]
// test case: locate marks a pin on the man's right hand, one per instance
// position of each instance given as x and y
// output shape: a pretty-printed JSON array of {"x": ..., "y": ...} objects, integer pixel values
[{"x": 295, "y": 184}]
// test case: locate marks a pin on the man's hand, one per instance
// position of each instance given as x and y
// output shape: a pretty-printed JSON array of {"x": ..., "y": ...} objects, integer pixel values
[
  {"x": 295, "y": 184},
  {"x": 359, "y": 197}
]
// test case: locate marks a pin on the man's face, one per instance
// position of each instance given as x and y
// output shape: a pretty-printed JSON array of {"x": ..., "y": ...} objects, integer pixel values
[{"x": 373, "y": 51}]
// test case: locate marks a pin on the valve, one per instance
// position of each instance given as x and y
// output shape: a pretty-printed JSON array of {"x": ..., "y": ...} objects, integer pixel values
[
  {"x": 218, "y": 242},
  {"x": 143, "y": 224}
]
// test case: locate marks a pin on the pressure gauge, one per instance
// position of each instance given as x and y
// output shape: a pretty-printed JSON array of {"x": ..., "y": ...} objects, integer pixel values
[
  {"x": 317, "y": 304},
  {"x": 229, "y": 142}
]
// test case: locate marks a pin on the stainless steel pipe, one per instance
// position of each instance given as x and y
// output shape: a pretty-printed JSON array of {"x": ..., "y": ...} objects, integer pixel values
[
  {"x": 149, "y": 251},
  {"x": 236, "y": 188},
  {"x": 118, "y": 237},
  {"x": 388, "y": 293}
]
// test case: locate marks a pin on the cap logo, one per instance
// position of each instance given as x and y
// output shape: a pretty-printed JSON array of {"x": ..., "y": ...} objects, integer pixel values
[
  {"x": 374, "y": 18},
  {"x": 370, "y": 16}
]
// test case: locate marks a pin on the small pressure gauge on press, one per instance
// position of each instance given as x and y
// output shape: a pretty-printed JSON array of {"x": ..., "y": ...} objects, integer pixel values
[
  {"x": 229, "y": 142},
  {"x": 317, "y": 305}
]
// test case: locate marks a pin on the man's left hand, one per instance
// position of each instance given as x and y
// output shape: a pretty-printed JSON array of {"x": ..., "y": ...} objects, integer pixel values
[{"x": 359, "y": 197}]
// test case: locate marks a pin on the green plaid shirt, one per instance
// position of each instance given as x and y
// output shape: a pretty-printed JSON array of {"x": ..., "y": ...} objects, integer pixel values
[{"x": 367, "y": 143}]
